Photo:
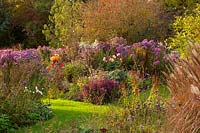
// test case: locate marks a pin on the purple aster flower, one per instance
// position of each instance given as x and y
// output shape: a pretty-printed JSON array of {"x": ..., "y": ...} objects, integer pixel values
[{"x": 156, "y": 62}]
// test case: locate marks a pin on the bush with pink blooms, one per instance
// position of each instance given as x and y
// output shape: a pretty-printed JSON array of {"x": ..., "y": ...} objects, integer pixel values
[{"x": 100, "y": 91}]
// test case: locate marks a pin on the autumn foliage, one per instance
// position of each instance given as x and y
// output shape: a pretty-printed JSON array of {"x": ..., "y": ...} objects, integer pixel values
[
  {"x": 184, "y": 85},
  {"x": 132, "y": 19}
]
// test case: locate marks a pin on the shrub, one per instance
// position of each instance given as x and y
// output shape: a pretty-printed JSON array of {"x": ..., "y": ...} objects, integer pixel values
[
  {"x": 118, "y": 75},
  {"x": 105, "y": 19},
  {"x": 74, "y": 92},
  {"x": 33, "y": 74},
  {"x": 22, "y": 84},
  {"x": 184, "y": 86},
  {"x": 100, "y": 91},
  {"x": 178, "y": 7},
  {"x": 150, "y": 57},
  {"x": 74, "y": 70},
  {"x": 186, "y": 30},
  {"x": 39, "y": 113},
  {"x": 5, "y": 123}
]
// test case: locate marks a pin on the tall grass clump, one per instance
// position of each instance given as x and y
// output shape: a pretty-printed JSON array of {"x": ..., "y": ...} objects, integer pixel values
[{"x": 184, "y": 85}]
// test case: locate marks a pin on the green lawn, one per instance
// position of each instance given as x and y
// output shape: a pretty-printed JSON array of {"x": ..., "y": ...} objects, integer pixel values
[{"x": 67, "y": 113}]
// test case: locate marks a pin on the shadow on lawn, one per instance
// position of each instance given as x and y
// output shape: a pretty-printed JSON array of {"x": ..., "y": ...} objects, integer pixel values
[{"x": 62, "y": 120}]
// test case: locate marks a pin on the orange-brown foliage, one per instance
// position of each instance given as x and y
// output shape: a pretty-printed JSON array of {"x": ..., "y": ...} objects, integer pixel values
[
  {"x": 132, "y": 19},
  {"x": 184, "y": 85}
]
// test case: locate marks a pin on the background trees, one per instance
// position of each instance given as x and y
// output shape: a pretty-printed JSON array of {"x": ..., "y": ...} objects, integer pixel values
[
  {"x": 132, "y": 19},
  {"x": 64, "y": 23},
  {"x": 187, "y": 30},
  {"x": 22, "y": 22}
]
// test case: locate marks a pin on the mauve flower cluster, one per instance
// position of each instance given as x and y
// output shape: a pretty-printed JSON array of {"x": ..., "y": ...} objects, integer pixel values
[
  {"x": 122, "y": 50},
  {"x": 147, "y": 52},
  {"x": 10, "y": 56},
  {"x": 50, "y": 51},
  {"x": 152, "y": 47}
]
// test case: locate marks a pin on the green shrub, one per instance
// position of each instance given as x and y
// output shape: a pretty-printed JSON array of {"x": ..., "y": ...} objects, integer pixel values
[
  {"x": 145, "y": 83},
  {"x": 39, "y": 113},
  {"x": 187, "y": 31},
  {"x": 5, "y": 123},
  {"x": 118, "y": 75},
  {"x": 74, "y": 70},
  {"x": 55, "y": 93},
  {"x": 179, "y": 6},
  {"x": 74, "y": 91},
  {"x": 109, "y": 66}
]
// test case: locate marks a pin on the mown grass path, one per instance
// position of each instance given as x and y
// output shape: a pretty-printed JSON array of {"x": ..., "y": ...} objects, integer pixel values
[{"x": 66, "y": 113}]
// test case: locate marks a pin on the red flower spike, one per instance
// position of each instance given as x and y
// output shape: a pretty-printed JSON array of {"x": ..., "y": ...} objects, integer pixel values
[
  {"x": 103, "y": 130},
  {"x": 61, "y": 65}
]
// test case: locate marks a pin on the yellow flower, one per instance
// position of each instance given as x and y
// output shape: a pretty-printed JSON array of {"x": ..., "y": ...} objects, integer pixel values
[
  {"x": 56, "y": 55},
  {"x": 53, "y": 58}
]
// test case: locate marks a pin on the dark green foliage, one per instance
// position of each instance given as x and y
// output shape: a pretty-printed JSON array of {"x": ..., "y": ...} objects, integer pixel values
[
  {"x": 73, "y": 93},
  {"x": 178, "y": 7},
  {"x": 118, "y": 75},
  {"x": 39, "y": 112},
  {"x": 111, "y": 66},
  {"x": 22, "y": 22},
  {"x": 5, "y": 123},
  {"x": 74, "y": 70}
]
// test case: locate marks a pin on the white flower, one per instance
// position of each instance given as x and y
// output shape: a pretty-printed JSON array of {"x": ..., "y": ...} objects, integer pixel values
[
  {"x": 111, "y": 59},
  {"x": 104, "y": 59},
  {"x": 38, "y": 91},
  {"x": 26, "y": 89},
  {"x": 118, "y": 54},
  {"x": 96, "y": 43},
  {"x": 114, "y": 56},
  {"x": 195, "y": 90}
]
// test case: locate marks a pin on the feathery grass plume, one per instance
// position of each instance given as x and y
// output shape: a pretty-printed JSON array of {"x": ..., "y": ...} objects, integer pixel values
[{"x": 184, "y": 85}]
